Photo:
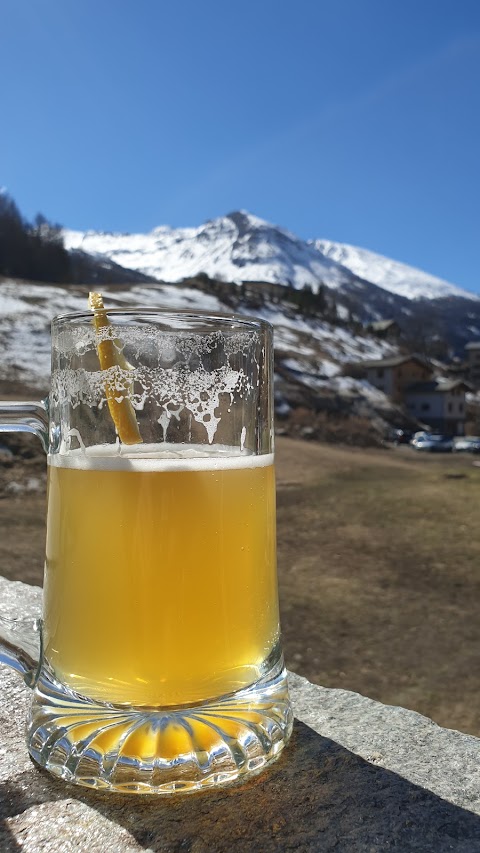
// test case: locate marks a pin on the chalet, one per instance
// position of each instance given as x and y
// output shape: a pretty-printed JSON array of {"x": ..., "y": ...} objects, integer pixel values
[
  {"x": 387, "y": 330},
  {"x": 473, "y": 363},
  {"x": 440, "y": 404},
  {"x": 409, "y": 380},
  {"x": 393, "y": 375}
]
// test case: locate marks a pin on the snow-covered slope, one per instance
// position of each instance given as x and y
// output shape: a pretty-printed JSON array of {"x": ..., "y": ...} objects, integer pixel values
[
  {"x": 391, "y": 275},
  {"x": 26, "y": 310},
  {"x": 242, "y": 247}
]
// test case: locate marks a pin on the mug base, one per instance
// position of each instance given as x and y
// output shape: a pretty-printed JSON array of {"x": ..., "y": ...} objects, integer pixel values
[{"x": 159, "y": 750}]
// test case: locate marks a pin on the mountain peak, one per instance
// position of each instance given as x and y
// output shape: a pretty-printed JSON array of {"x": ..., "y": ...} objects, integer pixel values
[{"x": 246, "y": 221}]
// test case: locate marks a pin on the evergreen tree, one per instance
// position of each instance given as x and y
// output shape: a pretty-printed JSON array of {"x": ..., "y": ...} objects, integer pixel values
[{"x": 31, "y": 251}]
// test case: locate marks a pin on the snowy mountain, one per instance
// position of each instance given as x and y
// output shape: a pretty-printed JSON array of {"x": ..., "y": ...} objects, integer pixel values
[
  {"x": 238, "y": 247},
  {"x": 241, "y": 247},
  {"x": 390, "y": 275},
  {"x": 311, "y": 349}
]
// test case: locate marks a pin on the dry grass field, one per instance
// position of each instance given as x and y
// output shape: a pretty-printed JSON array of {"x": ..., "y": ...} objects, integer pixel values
[
  {"x": 379, "y": 570},
  {"x": 379, "y": 566}
]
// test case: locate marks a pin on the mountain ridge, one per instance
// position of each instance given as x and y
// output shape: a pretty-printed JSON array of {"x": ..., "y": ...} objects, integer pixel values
[
  {"x": 394, "y": 276},
  {"x": 243, "y": 247}
]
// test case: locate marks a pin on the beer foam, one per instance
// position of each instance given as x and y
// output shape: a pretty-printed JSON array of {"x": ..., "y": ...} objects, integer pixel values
[{"x": 159, "y": 457}]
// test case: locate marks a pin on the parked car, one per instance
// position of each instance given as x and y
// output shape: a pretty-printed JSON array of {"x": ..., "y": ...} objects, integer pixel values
[
  {"x": 420, "y": 434},
  {"x": 467, "y": 444},
  {"x": 433, "y": 442}
]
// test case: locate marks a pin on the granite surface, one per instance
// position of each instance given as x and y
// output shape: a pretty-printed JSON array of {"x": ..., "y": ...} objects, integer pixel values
[{"x": 357, "y": 776}]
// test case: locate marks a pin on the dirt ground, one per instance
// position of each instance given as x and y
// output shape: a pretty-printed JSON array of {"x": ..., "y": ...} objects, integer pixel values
[{"x": 379, "y": 568}]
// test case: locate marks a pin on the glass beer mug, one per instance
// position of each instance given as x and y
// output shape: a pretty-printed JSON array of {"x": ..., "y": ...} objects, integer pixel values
[{"x": 160, "y": 667}]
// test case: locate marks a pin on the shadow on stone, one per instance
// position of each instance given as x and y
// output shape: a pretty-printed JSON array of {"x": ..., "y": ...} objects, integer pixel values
[{"x": 318, "y": 796}]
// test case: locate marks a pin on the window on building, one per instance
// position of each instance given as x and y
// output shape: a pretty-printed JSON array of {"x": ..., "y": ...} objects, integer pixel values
[
  {"x": 450, "y": 407},
  {"x": 425, "y": 407},
  {"x": 460, "y": 407},
  {"x": 380, "y": 372}
]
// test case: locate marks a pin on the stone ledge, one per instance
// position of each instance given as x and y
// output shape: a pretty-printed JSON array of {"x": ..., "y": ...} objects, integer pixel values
[{"x": 357, "y": 776}]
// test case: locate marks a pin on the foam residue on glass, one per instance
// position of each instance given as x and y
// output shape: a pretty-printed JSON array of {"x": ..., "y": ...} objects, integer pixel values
[{"x": 177, "y": 372}]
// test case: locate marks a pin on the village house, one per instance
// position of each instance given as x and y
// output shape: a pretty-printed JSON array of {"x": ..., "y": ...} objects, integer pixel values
[
  {"x": 393, "y": 375},
  {"x": 409, "y": 380},
  {"x": 439, "y": 404},
  {"x": 473, "y": 363},
  {"x": 387, "y": 330}
]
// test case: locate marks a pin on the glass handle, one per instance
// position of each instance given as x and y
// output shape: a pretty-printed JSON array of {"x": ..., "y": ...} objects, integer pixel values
[
  {"x": 21, "y": 646},
  {"x": 25, "y": 417},
  {"x": 20, "y": 638}
]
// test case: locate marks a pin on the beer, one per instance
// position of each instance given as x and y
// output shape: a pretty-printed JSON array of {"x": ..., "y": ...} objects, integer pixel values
[{"x": 160, "y": 582}]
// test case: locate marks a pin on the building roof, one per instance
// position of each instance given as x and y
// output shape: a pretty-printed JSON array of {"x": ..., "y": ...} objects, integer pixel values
[
  {"x": 473, "y": 345},
  {"x": 395, "y": 361},
  {"x": 383, "y": 325}
]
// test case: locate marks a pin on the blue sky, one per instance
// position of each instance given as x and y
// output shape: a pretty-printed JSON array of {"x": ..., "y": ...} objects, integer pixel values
[{"x": 353, "y": 120}]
